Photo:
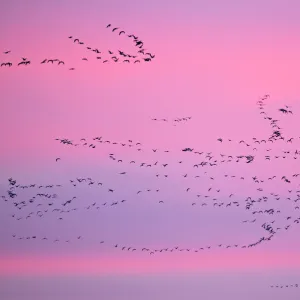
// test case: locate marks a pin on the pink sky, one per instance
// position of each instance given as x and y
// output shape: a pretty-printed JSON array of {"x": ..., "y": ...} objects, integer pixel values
[{"x": 109, "y": 264}]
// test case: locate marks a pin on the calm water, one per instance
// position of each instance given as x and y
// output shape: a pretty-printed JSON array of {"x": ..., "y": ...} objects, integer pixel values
[{"x": 158, "y": 287}]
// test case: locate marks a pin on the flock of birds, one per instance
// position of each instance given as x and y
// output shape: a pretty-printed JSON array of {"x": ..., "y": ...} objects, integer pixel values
[
  {"x": 174, "y": 121},
  {"x": 43, "y": 203},
  {"x": 260, "y": 207},
  {"x": 285, "y": 286},
  {"x": 141, "y": 54}
]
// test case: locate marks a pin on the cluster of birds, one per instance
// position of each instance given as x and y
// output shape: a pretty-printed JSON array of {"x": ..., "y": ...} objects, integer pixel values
[
  {"x": 117, "y": 56},
  {"x": 276, "y": 134},
  {"x": 40, "y": 212},
  {"x": 285, "y": 286},
  {"x": 120, "y": 55},
  {"x": 174, "y": 121},
  {"x": 43, "y": 202},
  {"x": 210, "y": 159}
]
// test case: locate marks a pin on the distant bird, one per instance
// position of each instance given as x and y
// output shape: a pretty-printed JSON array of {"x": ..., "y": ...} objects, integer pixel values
[
  {"x": 283, "y": 110},
  {"x": 152, "y": 56},
  {"x": 6, "y": 64}
]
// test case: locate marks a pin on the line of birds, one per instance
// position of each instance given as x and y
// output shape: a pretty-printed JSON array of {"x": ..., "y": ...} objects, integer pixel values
[
  {"x": 152, "y": 251},
  {"x": 24, "y": 62},
  {"x": 209, "y": 159},
  {"x": 115, "y": 57},
  {"x": 177, "y": 120},
  {"x": 119, "y": 54},
  {"x": 296, "y": 285}
]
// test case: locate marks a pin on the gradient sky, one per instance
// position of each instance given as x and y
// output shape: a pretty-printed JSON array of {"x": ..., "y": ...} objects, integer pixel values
[{"x": 214, "y": 60}]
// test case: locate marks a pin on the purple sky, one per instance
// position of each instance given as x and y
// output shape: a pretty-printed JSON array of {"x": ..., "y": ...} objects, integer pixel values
[{"x": 214, "y": 60}]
